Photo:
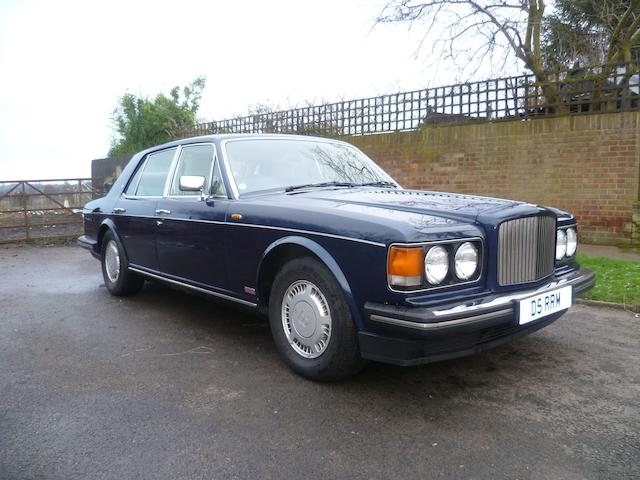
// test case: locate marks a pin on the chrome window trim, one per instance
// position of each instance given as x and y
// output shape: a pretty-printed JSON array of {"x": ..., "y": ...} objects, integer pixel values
[
  {"x": 171, "y": 173},
  {"x": 293, "y": 138},
  {"x": 268, "y": 227},
  {"x": 437, "y": 242},
  {"x": 140, "y": 271},
  {"x": 208, "y": 186}
]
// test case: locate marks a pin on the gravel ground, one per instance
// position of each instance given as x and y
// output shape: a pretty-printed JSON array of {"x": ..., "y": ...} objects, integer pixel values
[{"x": 169, "y": 385}]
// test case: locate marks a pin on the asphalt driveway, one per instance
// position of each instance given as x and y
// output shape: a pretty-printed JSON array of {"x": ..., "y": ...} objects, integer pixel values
[{"x": 169, "y": 385}]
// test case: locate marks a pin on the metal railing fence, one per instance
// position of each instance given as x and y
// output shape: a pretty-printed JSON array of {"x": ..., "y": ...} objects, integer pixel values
[
  {"x": 580, "y": 91},
  {"x": 37, "y": 209}
]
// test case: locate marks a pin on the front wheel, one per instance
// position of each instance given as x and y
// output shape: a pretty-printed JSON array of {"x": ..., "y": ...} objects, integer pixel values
[
  {"x": 117, "y": 278},
  {"x": 311, "y": 323}
]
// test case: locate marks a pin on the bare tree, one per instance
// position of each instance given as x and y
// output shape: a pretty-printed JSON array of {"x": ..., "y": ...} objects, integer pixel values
[
  {"x": 473, "y": 32},
  {"x": 477, "y": 30}
]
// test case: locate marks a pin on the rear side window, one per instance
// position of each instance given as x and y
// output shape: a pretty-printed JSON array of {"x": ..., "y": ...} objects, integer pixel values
[
  {"x": 150, "y": 179},
  {"x": 195, "y": 160}
]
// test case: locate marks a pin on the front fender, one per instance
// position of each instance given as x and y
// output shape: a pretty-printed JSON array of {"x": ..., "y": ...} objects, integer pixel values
[{"x": 325, "y": 257}]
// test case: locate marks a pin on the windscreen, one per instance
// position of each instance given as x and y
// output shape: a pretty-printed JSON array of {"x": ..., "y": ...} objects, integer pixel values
[{"x": 268, "y": 164}]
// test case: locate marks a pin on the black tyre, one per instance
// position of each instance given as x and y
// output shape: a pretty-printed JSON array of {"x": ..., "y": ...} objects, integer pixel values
[
  {"x": 311, "y": 323},
  {"x": 117, "y": 278}
]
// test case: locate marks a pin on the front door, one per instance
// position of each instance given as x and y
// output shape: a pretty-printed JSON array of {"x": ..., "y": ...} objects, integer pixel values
[{"x": 190, "y": 229}]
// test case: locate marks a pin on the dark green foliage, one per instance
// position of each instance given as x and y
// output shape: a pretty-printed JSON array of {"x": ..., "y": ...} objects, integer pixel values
[
  {"x": 591, "y": 32},
  {"x": 594, "y": 13},
  {"x": 141, "y": 123},
  {"x": 565, "y": 45}
]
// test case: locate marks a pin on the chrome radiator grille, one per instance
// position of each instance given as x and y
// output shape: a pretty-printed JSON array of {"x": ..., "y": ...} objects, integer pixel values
[{"x": 526, "y": 249}]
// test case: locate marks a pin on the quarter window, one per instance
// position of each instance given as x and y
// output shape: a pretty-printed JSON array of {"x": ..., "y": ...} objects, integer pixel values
[
  {"x": 154, "y": 174},
  {"x": 217, "y": 184},
  {"x": 133, "y": 183}
]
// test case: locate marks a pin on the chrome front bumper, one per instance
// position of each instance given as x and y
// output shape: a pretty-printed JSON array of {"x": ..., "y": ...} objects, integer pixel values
[
  {"x": 414, "y": 335},
  {"x": 480, "y": 312}
]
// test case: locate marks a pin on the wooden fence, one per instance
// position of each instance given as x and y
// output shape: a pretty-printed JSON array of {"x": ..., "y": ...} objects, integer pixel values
[
  {"x": 43, "y": 209},
  {"x": 520, "y": 98}
]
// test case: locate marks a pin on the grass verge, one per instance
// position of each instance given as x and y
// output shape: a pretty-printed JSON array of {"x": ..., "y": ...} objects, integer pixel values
[{"x": 617, "y": 281}]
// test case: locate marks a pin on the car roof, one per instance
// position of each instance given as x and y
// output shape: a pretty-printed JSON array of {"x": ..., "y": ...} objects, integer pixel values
[{"x": 234, "y": 136}]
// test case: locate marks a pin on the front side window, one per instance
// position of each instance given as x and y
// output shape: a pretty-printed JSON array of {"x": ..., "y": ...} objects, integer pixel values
[
  {"x": 152, "y": 175},
  {"x": 266, "y": 164},
  {"x": 195, "y": 160}
]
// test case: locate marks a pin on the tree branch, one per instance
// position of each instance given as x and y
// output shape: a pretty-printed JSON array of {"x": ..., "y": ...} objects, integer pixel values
[{"x": 501, "y": 27}]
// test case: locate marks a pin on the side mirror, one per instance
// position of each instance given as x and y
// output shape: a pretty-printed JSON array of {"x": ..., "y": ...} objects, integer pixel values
[{"x": 191, "y": 183}]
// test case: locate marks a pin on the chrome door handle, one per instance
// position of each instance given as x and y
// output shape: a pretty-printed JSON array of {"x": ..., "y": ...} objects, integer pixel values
[
  {"x": 119, "y": 210},
  {"x": 162, "y": 211}
]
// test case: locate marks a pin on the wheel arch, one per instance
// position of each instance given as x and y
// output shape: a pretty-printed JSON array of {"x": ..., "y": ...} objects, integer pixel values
[
  {"x": 288, "y": 248},
  {"x": 107, "y": 225}
]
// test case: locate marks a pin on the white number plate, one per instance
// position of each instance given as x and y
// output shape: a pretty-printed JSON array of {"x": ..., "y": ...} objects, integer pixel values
[{"x": 544, "y": 304}]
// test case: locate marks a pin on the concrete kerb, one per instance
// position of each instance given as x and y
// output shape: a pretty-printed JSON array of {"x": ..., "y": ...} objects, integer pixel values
[{"x": 601, "y": 304}]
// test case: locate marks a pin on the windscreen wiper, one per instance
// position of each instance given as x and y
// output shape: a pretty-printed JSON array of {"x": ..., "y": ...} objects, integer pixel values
[
  {"x": 319, "y": 185},
  {"x": 381, "y": 183}
]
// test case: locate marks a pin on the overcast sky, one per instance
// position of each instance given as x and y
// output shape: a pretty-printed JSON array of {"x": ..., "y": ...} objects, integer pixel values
[{"x": 64, "y": 64}]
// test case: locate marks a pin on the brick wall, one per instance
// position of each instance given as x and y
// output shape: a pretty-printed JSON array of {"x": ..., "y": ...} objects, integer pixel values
[{"x": 588, "y": 165}]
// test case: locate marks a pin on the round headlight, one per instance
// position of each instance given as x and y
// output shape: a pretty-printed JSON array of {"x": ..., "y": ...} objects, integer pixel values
[
  {"x": 572, "y": 242},
  {"x": 466, "y": 261},
  {"x": 561, "y": 244},
  {"x": 436, "y": 265}
]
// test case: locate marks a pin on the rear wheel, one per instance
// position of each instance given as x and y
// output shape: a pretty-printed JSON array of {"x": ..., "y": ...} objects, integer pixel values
[
  {"x": 117, "y": 278},
  {"x": 311, "y": 323}
]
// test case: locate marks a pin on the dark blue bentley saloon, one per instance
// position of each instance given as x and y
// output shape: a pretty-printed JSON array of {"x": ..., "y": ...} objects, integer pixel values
[{"x": 347, "y": 265}]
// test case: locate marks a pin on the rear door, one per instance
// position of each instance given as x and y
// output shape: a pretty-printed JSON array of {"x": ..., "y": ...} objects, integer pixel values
[
  {"x": 190, "y": 233},
  {"x": 135, "y": 211}
]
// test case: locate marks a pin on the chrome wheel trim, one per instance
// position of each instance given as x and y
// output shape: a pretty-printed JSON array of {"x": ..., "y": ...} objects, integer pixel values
[
  {"x": 306, "y": 319},
  {"x": 112, "y": 261}
]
